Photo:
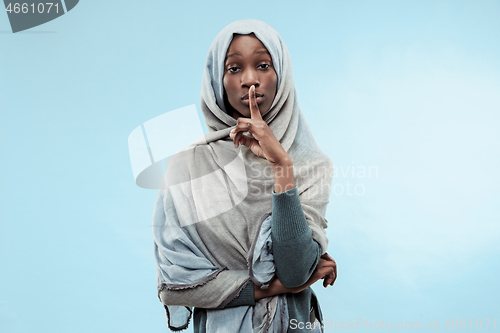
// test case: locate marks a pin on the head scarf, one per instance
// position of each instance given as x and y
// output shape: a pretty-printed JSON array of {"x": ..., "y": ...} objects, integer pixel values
[
  {"x": 283, "y": 115},
  {"x": 213, "y": 196}
]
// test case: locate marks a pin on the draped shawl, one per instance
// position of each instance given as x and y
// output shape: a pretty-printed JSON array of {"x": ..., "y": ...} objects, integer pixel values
[{"x": 214, "y": 197}]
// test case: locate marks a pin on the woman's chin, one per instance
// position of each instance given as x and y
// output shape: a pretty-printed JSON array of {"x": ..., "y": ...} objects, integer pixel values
[
  {"x": 236, "y": 114},
  {"x": 245, "y": 112}
]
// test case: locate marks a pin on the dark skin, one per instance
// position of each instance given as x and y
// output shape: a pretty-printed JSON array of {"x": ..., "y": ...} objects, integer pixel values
[
  {"x": 248, "y": 63},
  {"x": 250, "y": 84}
]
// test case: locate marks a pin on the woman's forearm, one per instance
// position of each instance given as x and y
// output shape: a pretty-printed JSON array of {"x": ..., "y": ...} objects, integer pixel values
[
  {"x": 295, "y": 252},
  {"x": 326, "y": 269},
  {"x": 275, "y": 288}
]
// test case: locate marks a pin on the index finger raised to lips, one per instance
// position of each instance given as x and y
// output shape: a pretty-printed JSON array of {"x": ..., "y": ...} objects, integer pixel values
[{"x": 254, "y": 108}]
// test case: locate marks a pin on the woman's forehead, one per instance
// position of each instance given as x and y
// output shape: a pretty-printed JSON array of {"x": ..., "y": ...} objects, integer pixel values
[{"x": 240, "y": 42}]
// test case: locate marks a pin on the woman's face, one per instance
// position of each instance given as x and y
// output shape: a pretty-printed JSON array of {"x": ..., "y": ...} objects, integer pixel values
[{"x": 249, "y": 63}]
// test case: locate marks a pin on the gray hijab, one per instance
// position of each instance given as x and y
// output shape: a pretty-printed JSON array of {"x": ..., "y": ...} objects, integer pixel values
[
  {"x": 283, "y": 116},
  {"x": 214, "y": 198}
]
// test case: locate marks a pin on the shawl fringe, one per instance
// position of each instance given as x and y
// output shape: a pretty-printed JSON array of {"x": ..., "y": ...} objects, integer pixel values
[{"x": 203, "y": 281}]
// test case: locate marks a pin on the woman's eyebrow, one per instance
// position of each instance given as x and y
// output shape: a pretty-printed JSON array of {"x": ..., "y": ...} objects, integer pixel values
[
  {"x": 239, "y": 54},
  {"x": 262, "y": 52},
  {"x": 233, "y": 55}
]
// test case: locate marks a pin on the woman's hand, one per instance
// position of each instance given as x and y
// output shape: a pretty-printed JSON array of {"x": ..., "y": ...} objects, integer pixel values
[
  {"x": 330, "y": 278},
  {"x": 263, "y": 144},
  {"x": 326, "y": 270}
]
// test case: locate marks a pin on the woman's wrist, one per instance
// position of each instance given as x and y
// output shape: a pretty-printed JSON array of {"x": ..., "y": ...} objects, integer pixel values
[
  {"x": 275, "y": 288},
  {"x": 283, "y": 175},
  {"x": 259, "y": 293}
]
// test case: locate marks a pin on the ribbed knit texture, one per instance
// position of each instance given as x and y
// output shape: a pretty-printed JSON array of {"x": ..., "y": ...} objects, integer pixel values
[
  {"x": 289, "y": 221},
  {"x": 295, "y": 252},
  {"x": 246, "y": 296}
]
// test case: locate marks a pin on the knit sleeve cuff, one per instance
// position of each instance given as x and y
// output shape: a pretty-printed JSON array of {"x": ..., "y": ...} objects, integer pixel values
[
  {"x": 246, "y": 296},
  {"x": 288, "y": 219}
]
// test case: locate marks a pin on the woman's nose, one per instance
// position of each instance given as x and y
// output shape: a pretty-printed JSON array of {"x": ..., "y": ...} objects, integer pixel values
[{"x": 249, "y": 78}]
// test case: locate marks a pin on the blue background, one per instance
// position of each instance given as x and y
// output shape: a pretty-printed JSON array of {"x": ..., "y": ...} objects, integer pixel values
[{"x": 409, "y": 88}]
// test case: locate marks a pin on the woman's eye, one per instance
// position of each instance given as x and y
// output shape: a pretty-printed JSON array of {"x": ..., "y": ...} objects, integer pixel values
[
  {"x": 263, "y": 66},
  {"x": 232, "y": 69}
]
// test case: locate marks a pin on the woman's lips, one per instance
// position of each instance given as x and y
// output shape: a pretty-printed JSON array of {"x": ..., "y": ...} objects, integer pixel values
[
  {"x": 246, "y": 97},
  {"x": 247, "y": 101}
]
